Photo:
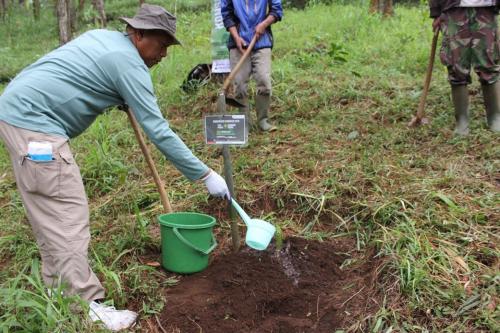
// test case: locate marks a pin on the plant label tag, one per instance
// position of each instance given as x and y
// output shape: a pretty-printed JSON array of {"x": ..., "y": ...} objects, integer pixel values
[{"x": 228, "y": 129}]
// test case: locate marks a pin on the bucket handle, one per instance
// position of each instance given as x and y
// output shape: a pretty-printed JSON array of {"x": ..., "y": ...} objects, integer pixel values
[{"x": 194, "y": 247}]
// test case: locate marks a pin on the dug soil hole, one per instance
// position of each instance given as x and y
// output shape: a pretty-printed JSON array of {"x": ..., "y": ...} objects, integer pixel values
[{"x": 308, "y": 286}]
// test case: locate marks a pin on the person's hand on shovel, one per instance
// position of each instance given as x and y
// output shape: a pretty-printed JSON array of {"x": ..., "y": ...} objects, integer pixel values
[
  {"x": 436, "y": 24},
  {"x": 216, "y": 185},
  {"x": 241, "y": 44},
  {"x": 261, "y": 28}
]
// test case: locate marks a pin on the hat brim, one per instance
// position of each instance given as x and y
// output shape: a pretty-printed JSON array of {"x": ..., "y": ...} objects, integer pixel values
[{"x": 138, "y": 24}]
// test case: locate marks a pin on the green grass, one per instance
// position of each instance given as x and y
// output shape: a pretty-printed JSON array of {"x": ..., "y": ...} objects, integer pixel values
[{"x": 427, "y": 201}]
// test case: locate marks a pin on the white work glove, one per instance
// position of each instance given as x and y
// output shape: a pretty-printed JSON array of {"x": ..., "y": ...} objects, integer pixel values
[{"x": 216, "y": 185}]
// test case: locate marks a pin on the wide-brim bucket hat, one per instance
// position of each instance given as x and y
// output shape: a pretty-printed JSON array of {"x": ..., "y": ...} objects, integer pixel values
[{"x": 153, "y": 17}]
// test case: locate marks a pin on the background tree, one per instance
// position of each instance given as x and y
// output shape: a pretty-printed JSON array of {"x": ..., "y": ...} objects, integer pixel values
[
  {"x": 99, "y": 7},
  {"x": 388, "y": 9},
  {"x": 64, "y": 21},
  {"x": 3, "y": 8},
  {"x": 36, "y": 9},
  {"x": 67, "y": 17},
  {"x": 382, "y": 6},
  {"x": 81, "y": 5}
]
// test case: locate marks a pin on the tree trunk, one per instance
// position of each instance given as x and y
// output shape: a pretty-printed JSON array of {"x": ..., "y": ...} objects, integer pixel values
[
  {"x": 3, "y": 8},
  {"x": 381, "y": 6},
  {"x": 36, "y": 9},
  {"x": 388, "y": 9},
  {"x": 374, "y": 4},
  {"x": 141, "y": 2},
  {"x": 73, "y": 21},
  {"x": 99, "y": 7},
  {"x": 79, "y": 12},
  {"x": 64, "y": 18}
]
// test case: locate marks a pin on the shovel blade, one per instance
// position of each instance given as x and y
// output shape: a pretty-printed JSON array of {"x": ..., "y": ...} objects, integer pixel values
[
  {"x": 234, "y": 103},
  {"x": 416, "y": 121}
]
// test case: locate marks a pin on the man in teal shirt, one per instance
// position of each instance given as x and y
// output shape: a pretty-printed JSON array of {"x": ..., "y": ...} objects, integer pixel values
[{"x": 56, "y": 99}]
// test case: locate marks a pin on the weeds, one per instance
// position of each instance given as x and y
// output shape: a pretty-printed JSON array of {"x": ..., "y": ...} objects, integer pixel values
[
  {"x": 27, "y": 306},
  {"x": 427, "y": 202}
]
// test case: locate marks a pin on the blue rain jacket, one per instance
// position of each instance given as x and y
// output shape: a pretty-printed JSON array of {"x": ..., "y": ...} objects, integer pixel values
[{"x": 246, "y": 15}]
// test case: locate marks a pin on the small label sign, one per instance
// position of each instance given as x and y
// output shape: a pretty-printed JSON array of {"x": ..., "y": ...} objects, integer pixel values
[{"x": 226, "y": 129}]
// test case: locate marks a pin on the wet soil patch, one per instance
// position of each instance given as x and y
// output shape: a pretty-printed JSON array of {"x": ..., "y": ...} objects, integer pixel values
[{"x": 308, "y": 286}]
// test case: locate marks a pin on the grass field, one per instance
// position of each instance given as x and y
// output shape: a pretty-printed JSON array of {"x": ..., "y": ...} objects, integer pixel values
[{"x": 342, "y": 163}]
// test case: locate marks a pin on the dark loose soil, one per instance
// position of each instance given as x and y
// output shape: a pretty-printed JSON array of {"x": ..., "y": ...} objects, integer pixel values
[{"x": 299, "y": 289}]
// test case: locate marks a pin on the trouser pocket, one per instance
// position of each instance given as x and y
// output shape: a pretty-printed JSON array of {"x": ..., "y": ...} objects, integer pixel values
[{"x": 40, "y": 177}]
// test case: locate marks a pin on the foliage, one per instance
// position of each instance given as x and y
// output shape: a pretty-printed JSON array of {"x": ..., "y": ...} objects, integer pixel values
[
  {"x": 425, "y": 200},
  {"x": 28, "y": 306}
]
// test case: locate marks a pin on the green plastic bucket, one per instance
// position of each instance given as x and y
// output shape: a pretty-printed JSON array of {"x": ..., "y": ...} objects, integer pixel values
[{"x": 186, "y": 241}]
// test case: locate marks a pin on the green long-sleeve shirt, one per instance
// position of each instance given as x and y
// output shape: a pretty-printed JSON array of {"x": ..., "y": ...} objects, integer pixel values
[{"x": 64, "y": 91}]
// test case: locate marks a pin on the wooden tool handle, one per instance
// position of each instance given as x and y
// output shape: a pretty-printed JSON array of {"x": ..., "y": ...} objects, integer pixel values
[
  {"x": 239, "y": 64},
  {"x": 145, "y": 151},
  {"x": 428, "y": 75}
]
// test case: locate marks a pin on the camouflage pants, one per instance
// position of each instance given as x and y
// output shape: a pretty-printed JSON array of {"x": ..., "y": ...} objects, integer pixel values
[{"x": 470, "y": 38}]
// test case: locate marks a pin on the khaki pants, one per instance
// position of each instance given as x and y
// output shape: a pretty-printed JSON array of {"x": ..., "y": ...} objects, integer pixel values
[
  {"x": 257, "y": 65},
  {"x": 56, "y": 204}
]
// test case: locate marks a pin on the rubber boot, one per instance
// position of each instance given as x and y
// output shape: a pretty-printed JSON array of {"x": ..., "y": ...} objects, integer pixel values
[
  {"x": 262, "y": 104},
  {"x": 460, "y": 97},
  {"x": 491, "y": 95}
]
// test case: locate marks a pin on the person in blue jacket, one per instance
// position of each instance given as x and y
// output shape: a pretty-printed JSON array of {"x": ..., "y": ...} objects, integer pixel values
[
  {"x": 56, "y": 99},
  {"x": 245, "y": 19}
]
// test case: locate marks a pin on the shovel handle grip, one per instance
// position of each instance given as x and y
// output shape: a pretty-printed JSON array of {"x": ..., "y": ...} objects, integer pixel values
[
  {"x": 236, "y": 68},
  {"x": 145, "y": 151}
]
